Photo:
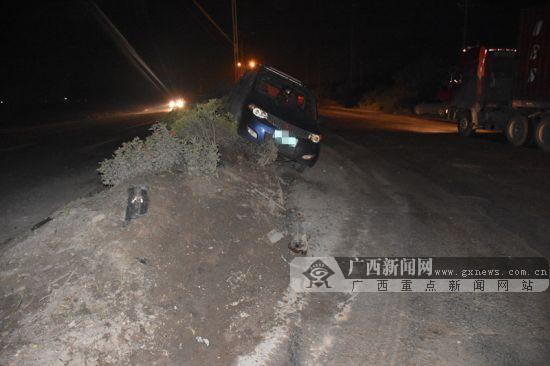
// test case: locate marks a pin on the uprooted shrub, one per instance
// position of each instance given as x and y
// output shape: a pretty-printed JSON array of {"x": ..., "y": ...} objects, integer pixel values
[
  {"x": 201, "y": 156},
  {"x": 209, "y": 133},
  {"x": 171, "y": 117},
  {"x": 204, "y": 130},
  {"x": 263, "y": 154},
  {"x": 160, "y": 151},
  {"x": 208, "y": 122},
  {"x": 197, "y": 137}
]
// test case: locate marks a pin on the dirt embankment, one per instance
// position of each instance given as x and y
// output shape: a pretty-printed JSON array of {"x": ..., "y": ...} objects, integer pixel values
[{"x": 182, "y": 285}]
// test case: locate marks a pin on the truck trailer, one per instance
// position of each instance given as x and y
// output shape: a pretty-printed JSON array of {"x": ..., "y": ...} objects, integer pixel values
[{"x": 508, "y": 90}]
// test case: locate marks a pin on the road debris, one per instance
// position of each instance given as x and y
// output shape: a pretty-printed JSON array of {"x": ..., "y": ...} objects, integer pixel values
[
  {"x": 275, "y": 236},
  {"x": 299, "y": 244},
  {"x": 138, "y": 203},
  {"x": 98, "y": 218},
  {"x": 41, "y": 223},
  {"x": 203, "y": 340}
]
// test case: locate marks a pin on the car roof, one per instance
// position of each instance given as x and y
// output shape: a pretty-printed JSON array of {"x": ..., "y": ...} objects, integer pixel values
[{"x": 279, "y": 73}]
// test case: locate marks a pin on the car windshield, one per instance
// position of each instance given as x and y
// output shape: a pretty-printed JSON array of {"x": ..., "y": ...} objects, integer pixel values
[{"x": 284, "y": 96}]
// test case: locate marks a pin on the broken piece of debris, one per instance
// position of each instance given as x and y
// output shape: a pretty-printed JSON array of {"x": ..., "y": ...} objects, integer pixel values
[
  {"x": 138, "y": 202},
  {"x": 299, "y": 244}
]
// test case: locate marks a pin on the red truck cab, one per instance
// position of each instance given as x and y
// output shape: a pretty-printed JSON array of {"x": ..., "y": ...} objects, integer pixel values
[{"x": 502, "y": 89}]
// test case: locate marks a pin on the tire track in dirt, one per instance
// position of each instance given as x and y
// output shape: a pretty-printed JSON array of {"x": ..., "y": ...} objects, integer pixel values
[
  {"x": 309, "y": 196},
  {"x": 327, "y": 197}
]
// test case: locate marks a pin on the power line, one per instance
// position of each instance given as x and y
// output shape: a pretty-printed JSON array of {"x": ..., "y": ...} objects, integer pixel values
[
  {"x": 235, "y": 41},
  {"x": 125, "y": 47},
  {"x": 212, "y": 21}
]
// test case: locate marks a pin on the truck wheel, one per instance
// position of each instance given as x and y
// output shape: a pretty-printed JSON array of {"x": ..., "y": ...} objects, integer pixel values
[
  {"x": 542, "y": 134},
  {"x": 465, "y": 125},
  {"x": 517, "y": 130}
]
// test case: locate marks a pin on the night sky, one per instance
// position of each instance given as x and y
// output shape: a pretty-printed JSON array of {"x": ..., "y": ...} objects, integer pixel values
[{"x": 55, "y": 49}]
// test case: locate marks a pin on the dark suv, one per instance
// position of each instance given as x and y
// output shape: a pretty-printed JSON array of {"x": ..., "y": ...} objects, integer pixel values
[{"x": 268, "y": 104}]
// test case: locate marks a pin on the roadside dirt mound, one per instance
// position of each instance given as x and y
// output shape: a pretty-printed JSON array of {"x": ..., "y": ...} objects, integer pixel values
[{"x": 183, "y": 284}]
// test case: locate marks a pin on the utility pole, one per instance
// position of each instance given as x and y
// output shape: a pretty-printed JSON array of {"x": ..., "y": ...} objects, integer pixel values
[
  {"x": 465, "y": 30},
  {"x": 235, "y": 39},
  {"x": 465, "y": 5},
  {"x": 351, "y": 43},
  {"x": 318, "y": 22}
]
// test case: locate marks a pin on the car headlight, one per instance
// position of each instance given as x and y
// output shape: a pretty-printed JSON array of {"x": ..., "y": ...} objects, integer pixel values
[
  {"x": 314, "y": 137},
  {"x": 257, "y": 111},
  {"x": 251, "y": 132}
]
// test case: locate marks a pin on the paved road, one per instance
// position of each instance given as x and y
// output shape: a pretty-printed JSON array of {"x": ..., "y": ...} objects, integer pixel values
[
  {"x": 44, "y": 167},
  {"x": 390, "y": 185}
]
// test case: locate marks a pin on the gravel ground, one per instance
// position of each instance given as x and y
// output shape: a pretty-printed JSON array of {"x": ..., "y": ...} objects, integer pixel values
[
  {"x": 389, "y": 185},
  {"x": 186, "y": 284},
  {"x": 199, "y": 281}
]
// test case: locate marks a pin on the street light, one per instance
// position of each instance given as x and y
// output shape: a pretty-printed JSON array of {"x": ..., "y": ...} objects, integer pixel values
[
  {"x": 252, "y": 64},
  {"x": 239, "y": 64}
]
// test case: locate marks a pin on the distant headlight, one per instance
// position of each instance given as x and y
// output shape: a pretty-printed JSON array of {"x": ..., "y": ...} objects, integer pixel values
[
  {"x": 314, "y": 137},
  {"x": 258, "y": 112},
  {"x": 176, "y": 103}
]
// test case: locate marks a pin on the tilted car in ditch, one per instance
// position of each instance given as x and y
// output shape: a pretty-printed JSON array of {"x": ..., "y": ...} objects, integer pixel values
[{"x": 269, "y": 104}]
